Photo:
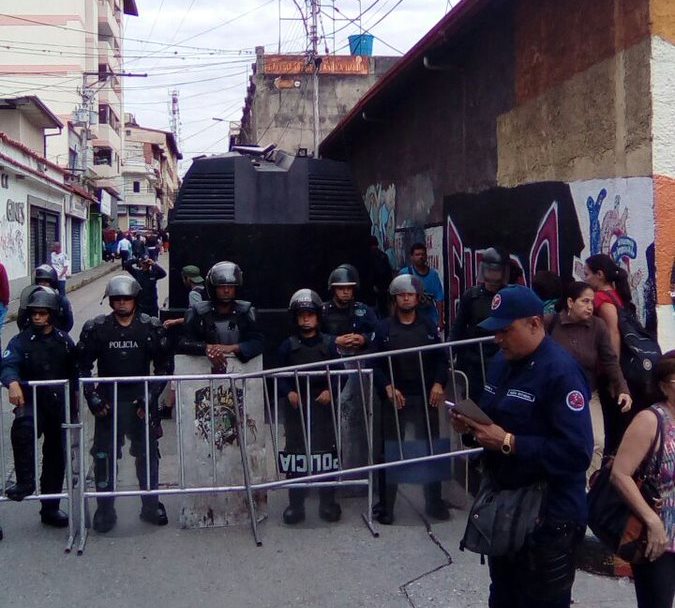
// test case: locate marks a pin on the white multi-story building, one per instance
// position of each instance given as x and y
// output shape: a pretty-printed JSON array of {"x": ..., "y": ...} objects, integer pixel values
[{"x": 69, "y": 54}]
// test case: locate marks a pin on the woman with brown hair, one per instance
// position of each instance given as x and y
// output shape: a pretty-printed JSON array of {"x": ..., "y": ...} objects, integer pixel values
[
  {"x": 586, "y": 338},
  {"x": 612, "y": 292},
  {"x": 655, "y": 578}
]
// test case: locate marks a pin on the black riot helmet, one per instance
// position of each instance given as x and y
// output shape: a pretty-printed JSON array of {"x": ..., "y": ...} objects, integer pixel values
[
  {"x": 44, "y": 297},
  {"x": 406, "y": 283},
  {"x": 494, "y": 260},
  {"x": 223, "y": 273},
  {"x": 45, "y": 272},
  {"x": 122, "y": 285},
  {"x": 345, "y": 275},
  {"x": 305, "y": 299}
]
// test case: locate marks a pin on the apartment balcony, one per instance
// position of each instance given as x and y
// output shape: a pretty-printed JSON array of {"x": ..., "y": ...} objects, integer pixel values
[
  {"x": 107, "y": 55},
  {"x": 140, "y": 199},
  {"x": 106, "y": 136},
  {"x": 108, "y": 21},
  {"x": 109, "y": 96},
  {"x": 104, "y": 171}
]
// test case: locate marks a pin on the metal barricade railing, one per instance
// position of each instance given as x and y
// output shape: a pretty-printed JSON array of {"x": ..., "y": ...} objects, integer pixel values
[
  {"x": 67, "y": 427},
  {"x": 362, "y": 368}
]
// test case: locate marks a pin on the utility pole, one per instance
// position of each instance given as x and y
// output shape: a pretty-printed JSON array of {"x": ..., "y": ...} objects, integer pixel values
[{"x": 316, "y": 61}]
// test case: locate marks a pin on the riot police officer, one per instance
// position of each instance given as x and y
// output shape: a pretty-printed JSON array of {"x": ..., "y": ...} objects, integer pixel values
[
  {"x": 147, "y": 272},
  {"x": 404, "y": 396},
  {"x": 124, "y": 343},
  {"x": 474, "y": 307},
  {"x": 40, "y": 352},
  {"x": 222, "y": 325},
  {"x": 308, "y": 345},
  {"x": 45, "y": 275},
  {"x": 353, "y": 323}
]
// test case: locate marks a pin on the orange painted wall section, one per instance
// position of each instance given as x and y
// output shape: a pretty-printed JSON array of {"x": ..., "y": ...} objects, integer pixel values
[
  {"x": 557, "y": 39},
  {"x": 663, "y": 19},
  {"x": 664, "y": 236}
]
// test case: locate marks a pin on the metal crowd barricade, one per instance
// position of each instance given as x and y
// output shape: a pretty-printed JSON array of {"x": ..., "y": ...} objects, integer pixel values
[
  {"x": 70, "y": 478},
  {"x": 360, "y": 366}
]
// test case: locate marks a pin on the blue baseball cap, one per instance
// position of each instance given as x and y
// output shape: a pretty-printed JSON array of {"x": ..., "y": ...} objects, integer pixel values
[{"x": 512, "y": 303}]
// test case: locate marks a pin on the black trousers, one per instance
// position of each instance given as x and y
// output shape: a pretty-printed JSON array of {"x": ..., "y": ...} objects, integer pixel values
[
  {"x": 105, "y": 456},
  {"x": 655, "y": 582},
  {"x": 321, "y": 437},
  {"x": 50, "y": 416},
  {"x": 541, "y": 574},
  {"x": 413, "y": 413}
]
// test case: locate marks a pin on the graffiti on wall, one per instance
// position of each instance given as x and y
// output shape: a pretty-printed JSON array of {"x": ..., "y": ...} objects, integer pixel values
[
  {"x": 13, "y": 241},
  {"x": 381, "y": 205},
  {"x": 555, "y": 226}
]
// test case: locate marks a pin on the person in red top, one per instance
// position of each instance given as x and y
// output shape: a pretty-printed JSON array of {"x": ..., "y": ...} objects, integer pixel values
[
  {"x": 4, "y": 298},
  {"x": 612, "y": 291}
]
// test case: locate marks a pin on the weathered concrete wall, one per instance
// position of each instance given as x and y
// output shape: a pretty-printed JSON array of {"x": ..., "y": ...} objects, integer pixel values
[
  {"x": 285, "y": 116},
  {"x": 595, "y": 124}
]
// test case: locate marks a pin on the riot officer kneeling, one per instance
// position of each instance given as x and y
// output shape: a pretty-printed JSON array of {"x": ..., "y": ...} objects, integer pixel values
[
  {"x": 40, "y": 352},
  {"x": 308, "y": 345},
  {"x": 124, "y": 343},
  {"x": 222, "y": 325}
]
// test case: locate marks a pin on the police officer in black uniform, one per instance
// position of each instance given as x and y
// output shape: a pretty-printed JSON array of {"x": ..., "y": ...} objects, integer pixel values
[
  {"x": 222, "y": 325},
  {"x": 474, "y": 307},
  {"x": 353, "y": 323},
  {"x": 46, "y": 276},
  {"x": 124, "y": 343},
  {"x": 308, "y": 345},
  {"x": 537, "y": 397},
  {"x": 147, "y": 272},
  {"x": 40, "y": 352},
  {"x": 405, "y": 328}
]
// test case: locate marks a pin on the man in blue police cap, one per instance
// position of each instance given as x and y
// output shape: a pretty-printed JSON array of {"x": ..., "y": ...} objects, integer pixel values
[{"x": 537, "y": 397}]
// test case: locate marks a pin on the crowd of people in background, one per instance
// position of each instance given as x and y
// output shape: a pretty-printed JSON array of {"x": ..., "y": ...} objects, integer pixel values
[{"x": 553, "y": 380}]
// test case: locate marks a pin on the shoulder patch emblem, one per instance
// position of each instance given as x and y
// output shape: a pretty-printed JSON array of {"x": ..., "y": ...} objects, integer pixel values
[
  {"x": 575, "y": 401},
  {"x": 496, "y": 302}
]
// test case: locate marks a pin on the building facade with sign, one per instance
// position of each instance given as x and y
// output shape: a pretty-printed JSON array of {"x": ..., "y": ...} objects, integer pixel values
[
  {"x": 278, "y": 106},
  {"x": 37, "y": 207}
]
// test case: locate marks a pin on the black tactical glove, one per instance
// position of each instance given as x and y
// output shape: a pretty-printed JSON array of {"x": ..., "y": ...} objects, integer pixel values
[{"x": 97, "y": 406}]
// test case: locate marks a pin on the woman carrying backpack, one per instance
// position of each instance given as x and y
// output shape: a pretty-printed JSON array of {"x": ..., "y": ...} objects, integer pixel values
[
  {"x": 613, "y": 303},
  {"x": 586, "y": 338}
]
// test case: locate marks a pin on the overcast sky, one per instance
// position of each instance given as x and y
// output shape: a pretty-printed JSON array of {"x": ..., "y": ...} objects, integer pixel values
[{"x": 207, "y": 47}]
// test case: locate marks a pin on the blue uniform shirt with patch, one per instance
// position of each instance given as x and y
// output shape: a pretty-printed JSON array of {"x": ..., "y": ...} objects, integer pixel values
[{"x": 543, "y": 400}]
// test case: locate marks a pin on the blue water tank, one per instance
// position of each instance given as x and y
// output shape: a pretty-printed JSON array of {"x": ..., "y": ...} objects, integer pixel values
[{"x": 361, "y": 44}]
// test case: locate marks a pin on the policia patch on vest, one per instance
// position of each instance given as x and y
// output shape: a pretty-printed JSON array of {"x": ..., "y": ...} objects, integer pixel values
[{"x": 322, "y": 462}]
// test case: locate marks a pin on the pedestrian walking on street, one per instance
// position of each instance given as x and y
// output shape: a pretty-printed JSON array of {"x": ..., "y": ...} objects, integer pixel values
[
  {"x": 40, "y": 352},
  {"x": 61, "y": 264},
  {"x": 612, "y": 292},
  {"x": 537, "y": 397},
  {"x": 585, "y": 337},
  {"x": 124, "y": 249},
  {"x": 655, "y": 578},
  {"x": 124, "y": 343}
]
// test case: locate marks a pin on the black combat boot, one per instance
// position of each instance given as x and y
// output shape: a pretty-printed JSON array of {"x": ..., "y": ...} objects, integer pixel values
[
  {"x": 153, "y": 512},
  {"x": 384, "y": 510},
  {"x": 295, "y": 511},
  {"x": 436, "y": 507},
  {"x": 24, "y": 459},
  {"x": 54, "y": 518},
  {"x": 105, "y": 517},
  {"x": 329, "y": 510}
]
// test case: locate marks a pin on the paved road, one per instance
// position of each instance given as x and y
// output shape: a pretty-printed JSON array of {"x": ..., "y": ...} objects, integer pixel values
[{"x": 314, "y": 564}]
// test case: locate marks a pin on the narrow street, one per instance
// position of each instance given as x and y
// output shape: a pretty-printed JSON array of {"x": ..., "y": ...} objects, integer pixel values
[{"x": 315, "y": 564}]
